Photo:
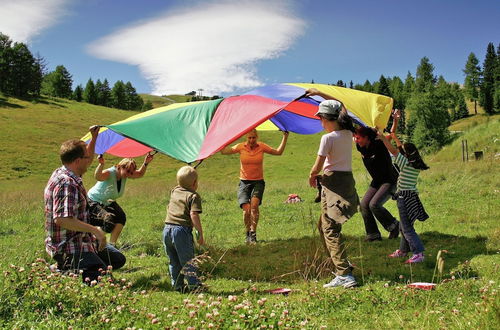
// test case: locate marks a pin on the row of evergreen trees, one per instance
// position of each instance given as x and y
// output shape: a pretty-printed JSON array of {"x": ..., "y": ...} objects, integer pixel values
[
  {"x": 24, "y": 75},
  {"x": 431, "y": 102}
]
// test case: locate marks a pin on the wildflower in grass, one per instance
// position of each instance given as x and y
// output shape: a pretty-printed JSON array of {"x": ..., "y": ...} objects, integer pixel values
[
  {"x": 192, "y": 314},
  {"x": 154, "y": 321},
  {"x": 232, "y": 298}
]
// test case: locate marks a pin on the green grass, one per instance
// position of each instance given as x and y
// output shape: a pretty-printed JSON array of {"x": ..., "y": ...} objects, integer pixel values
[{"x": 462, "y": 199}]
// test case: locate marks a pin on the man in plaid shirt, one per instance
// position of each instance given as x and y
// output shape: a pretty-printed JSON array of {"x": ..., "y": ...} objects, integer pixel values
[{"x": 70, "y": 239}]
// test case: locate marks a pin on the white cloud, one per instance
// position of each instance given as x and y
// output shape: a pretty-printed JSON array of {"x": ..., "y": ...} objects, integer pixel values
[
  {"x": 22, "y": 20},
  {"x": 210, "y": 46}
]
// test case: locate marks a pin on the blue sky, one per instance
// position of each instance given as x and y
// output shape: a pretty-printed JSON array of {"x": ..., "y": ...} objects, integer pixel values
[{"x": 227, "y": 47}]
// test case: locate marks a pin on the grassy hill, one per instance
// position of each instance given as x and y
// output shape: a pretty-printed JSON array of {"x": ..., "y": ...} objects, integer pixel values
[
  {"x": 161, "y": 101},
  {"x": 462, "y": 199}
]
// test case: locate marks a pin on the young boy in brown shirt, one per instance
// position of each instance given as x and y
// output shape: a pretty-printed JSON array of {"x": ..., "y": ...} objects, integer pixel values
[{"x": 183, "y": 213}]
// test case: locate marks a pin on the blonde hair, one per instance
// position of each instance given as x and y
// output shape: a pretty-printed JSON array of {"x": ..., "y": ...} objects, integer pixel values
[
  {"x": 127, "y": 163},
  {"x": 253, "y": 131},
  {"x": 186, "y": 177}
]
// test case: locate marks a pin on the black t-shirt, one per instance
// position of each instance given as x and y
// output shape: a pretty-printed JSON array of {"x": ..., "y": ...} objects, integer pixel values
[{"x": 378, "y": 163}]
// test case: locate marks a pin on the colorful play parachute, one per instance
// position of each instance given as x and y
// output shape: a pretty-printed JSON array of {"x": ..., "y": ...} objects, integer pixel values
[{"x": 193, "y": 131}]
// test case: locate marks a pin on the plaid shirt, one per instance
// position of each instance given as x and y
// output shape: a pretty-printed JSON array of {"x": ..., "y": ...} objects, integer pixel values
[{"x": 65, "y": 197}]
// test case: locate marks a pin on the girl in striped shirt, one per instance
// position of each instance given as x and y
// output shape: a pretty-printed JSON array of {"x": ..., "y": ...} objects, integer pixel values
[{"x": 409, "y": 162}]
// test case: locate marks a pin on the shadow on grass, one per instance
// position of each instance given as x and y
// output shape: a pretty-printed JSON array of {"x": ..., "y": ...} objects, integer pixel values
[
  {"x": 5, "y": 104},
  {"x": 303, "y": 259}
]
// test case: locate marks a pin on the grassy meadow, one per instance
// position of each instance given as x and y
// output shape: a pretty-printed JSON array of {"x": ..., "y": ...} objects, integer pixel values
[{"x": 463, "y": 200}]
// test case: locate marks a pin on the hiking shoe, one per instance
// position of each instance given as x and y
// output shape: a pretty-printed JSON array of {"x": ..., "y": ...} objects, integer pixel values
[
  {"x": 253, "y": 237},
  {"x": 397, "y": 254},
  {"x": 417, "y": 257},
  {"x": 347, "y": 281},
  {"x": 395, "y": 232}
]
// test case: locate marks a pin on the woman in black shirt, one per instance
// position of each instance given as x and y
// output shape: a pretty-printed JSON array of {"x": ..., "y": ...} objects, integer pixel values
[{"x": 384, "y": 177}]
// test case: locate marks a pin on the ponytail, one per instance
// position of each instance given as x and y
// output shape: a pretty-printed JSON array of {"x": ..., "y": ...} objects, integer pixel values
[
  {"x": 345, "y": 122},
  {"x": 414, "y": 158}
]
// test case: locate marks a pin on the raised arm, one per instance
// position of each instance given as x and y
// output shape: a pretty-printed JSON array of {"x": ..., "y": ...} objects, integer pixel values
[
  {"x": 314, "y": 91},
  {"x": 393, "y": 150},
  {"x": 94, "y": 131},
  {"x": 142, "y": 170},
  {"x": 228, "y": 150},
  {"x": 395, "y": 115},
  {"x": 281, "y": 147},
  {"x": 99, "y": 174}
]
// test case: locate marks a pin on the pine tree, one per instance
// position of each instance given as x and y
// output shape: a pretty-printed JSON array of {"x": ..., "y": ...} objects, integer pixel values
[
  {"x": 98, "y": 88},
  {"x": 367, "y": 86},
  {"x": 425, "y": 79},
  {"x": 105, "y": 94},
  {"x": 409, "y": 85},
  {"x": 6, "y": 55},
  {"x": 22, "y": 71},
  {"x": 444, "y": 94},
  {"x": 133, "y": 100},
  {"x": 89, "y": 93},
  {"x": 487, "y": 91},
  {"x": 397, "y": 92},
  {"x": 118, "y": 96},
  {"x": 78, "y": 93},
  {"x": 383, "y": 87},
  {"x": 496, "y": 97},
  {"x": 351, "y": 84},
  {"x": 428, "y": 121},
  {"x": 147, "y": 106},
  {"x": 459, "y": 110},
  {"x": 472, "y": 80}
]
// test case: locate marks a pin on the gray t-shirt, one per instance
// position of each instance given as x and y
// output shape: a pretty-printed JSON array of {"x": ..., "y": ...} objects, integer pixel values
[{"x": 182, "y": 202}]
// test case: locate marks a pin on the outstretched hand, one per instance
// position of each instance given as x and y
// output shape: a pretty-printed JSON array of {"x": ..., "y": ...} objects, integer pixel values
[
  {"x": 149, "y": 157},
  {"x": 312, "y": 92},
  {"x": 396, "y": 114},
  {"x": 94, "y": 130}
]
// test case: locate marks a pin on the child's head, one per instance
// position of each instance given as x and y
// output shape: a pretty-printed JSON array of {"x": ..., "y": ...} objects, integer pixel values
[
  {"x": 187, "y": 177},
  {"x": 411, "y": 152}
]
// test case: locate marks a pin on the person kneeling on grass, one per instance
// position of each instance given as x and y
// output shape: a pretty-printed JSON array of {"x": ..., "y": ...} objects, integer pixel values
[
  {"x": 410, "y": 208},
  {"x": 183, "y": 213},
  {"x": 104, "y": 210},
  {"x": 70, "y": 239}
]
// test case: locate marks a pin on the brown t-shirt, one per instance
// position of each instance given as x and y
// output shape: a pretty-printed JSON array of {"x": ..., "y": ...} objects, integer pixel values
[{"x": 182, "y": 202}]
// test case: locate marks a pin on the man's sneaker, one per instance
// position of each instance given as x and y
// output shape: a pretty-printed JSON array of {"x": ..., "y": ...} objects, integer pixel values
[
  {"x": 417, "y": 257},
  {"x": 347, "y": 281},
  {"x": 397, "y": 254},
  {"x": 395, "y": 232},
  {"x": 373, "y": 239},
  {"x": 253, "y": 237}
]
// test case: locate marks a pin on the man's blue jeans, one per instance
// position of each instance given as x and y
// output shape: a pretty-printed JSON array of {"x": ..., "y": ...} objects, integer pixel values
[
  {"x": 90, "y": 262},
  {"x": 178, "y": 242}
]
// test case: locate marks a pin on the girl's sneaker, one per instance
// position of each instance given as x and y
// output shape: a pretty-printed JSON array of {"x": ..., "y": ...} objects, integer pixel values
[
  {"x": 397, "y": 254},
  {"x": 417, "y": 257}
]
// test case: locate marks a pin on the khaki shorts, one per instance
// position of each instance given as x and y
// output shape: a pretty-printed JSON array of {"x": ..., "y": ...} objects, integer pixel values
[{"x": 250, "y": 188}]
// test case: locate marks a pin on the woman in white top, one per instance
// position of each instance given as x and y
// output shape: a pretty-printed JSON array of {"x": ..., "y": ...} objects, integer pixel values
[{"x": 339, "y": 199}]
